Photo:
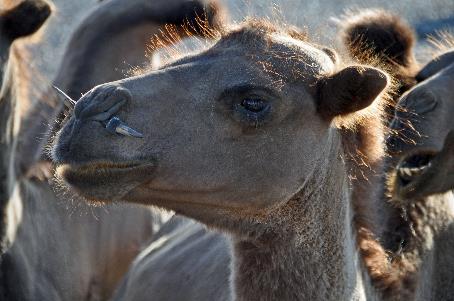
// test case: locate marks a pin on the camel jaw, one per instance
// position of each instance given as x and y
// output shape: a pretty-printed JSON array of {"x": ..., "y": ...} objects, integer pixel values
[{"x": 105, "y": 181}]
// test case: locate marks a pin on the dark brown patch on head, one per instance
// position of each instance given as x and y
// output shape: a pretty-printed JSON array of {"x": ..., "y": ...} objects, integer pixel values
[
  {"x": 380, "y": 34},
  {"x": 24, "y": 19},
  {"x": 197, "y": 17}
]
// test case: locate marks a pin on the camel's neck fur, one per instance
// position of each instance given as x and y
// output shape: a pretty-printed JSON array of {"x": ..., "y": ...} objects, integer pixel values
[{"x": 310, "y": 249}]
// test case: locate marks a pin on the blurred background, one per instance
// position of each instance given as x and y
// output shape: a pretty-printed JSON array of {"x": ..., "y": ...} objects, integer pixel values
[{"x": 316, "y": 16}]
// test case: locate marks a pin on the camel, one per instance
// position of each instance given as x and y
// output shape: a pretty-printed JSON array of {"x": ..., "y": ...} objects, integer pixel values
[
  {"x": 381, "y": 38},
  {"x": 421, "y": 123},
  {"x": 260, "y": 152},
  {"x": 16, "y": 22},
  {"x": 164, "y": 253},
  {"x": 49, "y": 252},
  {"x": 419, "y": 183},
  {"x": 418, "y": 121}
]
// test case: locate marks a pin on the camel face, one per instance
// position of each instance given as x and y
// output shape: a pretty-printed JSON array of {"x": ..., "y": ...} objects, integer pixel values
[
  {"x": 240, "y": 125},
  {"x": 428, "y": 107}
]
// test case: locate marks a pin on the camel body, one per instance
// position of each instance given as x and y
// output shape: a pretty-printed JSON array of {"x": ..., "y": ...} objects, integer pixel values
[{"x": 55, "y": 249}]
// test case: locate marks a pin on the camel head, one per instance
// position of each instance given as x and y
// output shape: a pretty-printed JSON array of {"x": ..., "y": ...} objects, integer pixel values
[
  {"x": 240, "y": 126},
  {"x": 422, "y": 122},
  {"x": 423, "y": 115}
]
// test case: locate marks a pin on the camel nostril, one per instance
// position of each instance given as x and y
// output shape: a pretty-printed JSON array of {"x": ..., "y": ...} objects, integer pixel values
[
  {"x": 102, "y": 103},
  {"x": 103, "y": 116}
]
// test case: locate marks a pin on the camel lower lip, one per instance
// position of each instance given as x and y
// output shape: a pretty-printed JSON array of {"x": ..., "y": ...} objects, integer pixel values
[
  {"x": 101, "y": 169},
  {"x": 105, "y": 181},
  {"x": 102, "y": 165}
]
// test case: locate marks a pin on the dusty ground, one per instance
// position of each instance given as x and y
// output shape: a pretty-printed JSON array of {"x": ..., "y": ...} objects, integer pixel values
[{"x": 311, "y": 14}]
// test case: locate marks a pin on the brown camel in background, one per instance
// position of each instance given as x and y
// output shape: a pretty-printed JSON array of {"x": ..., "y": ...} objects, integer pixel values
[
  {"x": 51, "y": 253},
  {"x": 419, "y": 120}
]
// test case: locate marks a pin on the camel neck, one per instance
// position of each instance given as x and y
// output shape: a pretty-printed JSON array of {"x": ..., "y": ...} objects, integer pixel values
[
  {"x": 319, "y": 261},
  {"x": 311, "y": 252}
]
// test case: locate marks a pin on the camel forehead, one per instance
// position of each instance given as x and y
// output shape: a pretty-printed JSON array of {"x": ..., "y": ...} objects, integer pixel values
[
  {"x": 263, "y": 42},
  {"x": 306, "y": 53},
  {"x": 276, "y": 52}
]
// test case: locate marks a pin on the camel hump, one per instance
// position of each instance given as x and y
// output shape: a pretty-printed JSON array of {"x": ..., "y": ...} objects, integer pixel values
[
  {"x": 24, "y": 19},
  {"x": 378, "y": 34}
]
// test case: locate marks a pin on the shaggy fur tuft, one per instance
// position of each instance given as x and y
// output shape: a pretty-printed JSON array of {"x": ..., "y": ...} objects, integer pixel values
[
  {"x": 378, "y": 36},
  {"x": 381, "y": 34}
]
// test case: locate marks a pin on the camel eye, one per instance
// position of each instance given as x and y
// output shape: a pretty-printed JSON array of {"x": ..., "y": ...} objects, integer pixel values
[
  {"x": 253, "y": 111},
  {"x": 254, "y": 105}
]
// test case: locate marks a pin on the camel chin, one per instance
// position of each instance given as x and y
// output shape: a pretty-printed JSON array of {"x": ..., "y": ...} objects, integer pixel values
[{"x": 105, "y": 181}]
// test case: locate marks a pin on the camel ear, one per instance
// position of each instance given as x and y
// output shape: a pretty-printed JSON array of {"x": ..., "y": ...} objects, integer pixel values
[
  {"x": 349, "y": 90},
  {"x": 24, "y": 19}
]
